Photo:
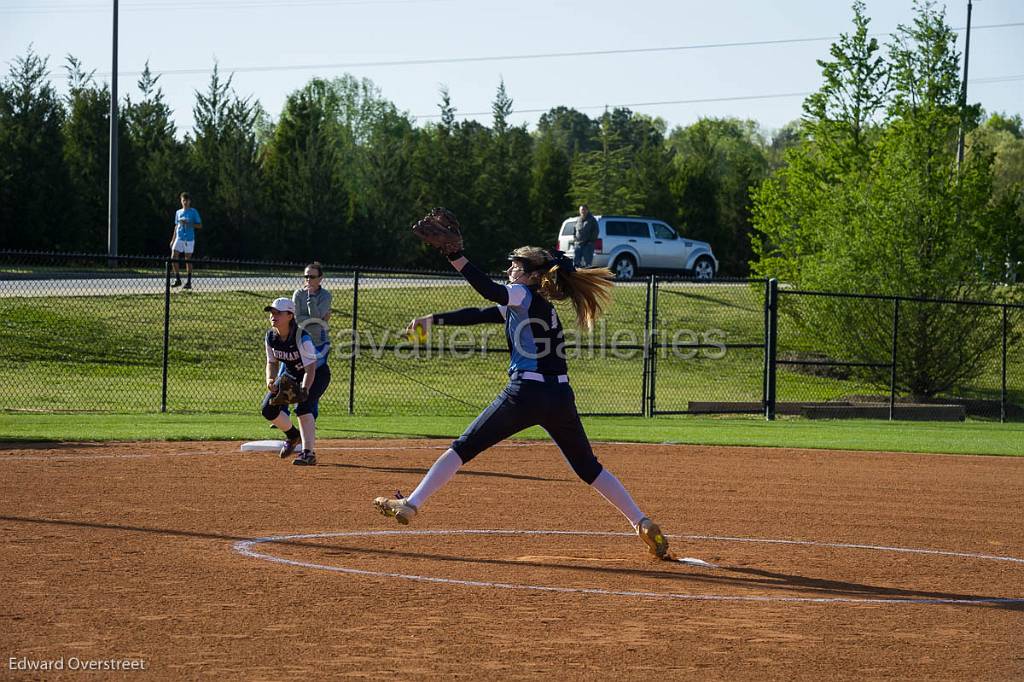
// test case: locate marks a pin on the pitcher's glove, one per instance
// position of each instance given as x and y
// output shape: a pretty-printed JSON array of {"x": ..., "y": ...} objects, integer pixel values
[
  {"x": 288, "y": 391},
  {"x": 440, "y": 228}
]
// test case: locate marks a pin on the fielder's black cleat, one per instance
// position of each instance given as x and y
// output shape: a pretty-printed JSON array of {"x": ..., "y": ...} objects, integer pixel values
[
  {"x": 306, "y": 458},
  {"x": 289, "y": 446}
]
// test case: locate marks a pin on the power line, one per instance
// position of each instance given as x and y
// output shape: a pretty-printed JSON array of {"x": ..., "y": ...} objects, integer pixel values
[
  {"x": 191, "y": 5},
  {"x": 703, "y": 100},
  {"x": 496, "y": 58}
]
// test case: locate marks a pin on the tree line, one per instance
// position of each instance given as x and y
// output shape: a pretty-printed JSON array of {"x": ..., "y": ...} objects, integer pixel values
[{"x": 341, "y": 173}]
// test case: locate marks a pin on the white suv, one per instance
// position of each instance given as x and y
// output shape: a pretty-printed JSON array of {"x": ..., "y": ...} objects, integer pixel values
[{"x": 628, "y": 244}]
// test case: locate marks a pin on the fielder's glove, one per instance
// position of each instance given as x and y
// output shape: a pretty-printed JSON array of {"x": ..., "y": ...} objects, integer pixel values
[
  {"x": 440, "y": 228},
  {"x": 288, "y": 391}
]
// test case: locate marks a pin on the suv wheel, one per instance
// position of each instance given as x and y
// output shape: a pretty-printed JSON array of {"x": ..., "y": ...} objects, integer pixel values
[
  {"x": 704, "y": 269},
  {"x": 624, "y": 267}
]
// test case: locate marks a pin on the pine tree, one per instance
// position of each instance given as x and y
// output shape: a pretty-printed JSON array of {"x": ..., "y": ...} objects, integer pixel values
[
  {"x": 35, "y": 184},
  {"x": 159, "y": 171}
]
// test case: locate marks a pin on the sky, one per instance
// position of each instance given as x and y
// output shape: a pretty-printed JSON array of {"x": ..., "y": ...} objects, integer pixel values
[{"x": 679, "y": 60}]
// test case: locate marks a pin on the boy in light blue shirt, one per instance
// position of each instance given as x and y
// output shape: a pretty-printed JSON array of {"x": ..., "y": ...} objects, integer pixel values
[{"x": 183, "y": 238}]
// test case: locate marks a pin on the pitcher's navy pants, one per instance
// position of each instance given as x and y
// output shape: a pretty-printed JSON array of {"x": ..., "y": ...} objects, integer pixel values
[{"x": 525, "y": 403}]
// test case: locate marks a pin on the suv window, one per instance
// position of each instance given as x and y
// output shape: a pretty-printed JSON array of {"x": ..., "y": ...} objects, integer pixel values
[
  {"x": 626, "y": 228},
  {"x": 663, "y": 231},
  {"x": 569, "y": 228}
]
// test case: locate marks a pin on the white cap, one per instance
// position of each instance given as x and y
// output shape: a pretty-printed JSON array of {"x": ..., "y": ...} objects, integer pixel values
[{"x": 281, "y": 305}]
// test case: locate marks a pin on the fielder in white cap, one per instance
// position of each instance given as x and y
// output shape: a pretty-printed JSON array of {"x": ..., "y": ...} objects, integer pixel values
[{"x": 293, "y": 348}]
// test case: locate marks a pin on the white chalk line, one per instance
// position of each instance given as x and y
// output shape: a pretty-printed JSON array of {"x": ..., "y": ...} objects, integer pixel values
[
  {"x": 245, "y": 548},
  {"x": 145, "y": 455}
]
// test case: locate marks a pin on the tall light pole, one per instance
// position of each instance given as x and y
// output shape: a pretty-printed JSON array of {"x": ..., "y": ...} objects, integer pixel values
[
  {"x": 963, "y": 91},
  {"x": 112, "y": 174}
]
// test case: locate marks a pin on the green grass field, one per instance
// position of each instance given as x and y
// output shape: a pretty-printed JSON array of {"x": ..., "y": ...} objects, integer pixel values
[
  {"x": 104, "y": 353},
  {"x": 954, "y": 438}
]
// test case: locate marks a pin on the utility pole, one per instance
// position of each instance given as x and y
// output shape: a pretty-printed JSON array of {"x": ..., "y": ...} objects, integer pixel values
[
  {"x": 112, "y": 175},
  {"x": 963, "y": 91}
]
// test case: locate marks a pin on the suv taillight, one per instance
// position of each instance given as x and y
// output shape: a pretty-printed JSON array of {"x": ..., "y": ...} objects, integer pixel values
[{"x": 598, "y": 245}]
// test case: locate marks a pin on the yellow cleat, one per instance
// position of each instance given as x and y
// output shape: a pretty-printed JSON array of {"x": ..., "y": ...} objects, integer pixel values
[
  {"x": 399, "y": 509},
  {"x": 652, "y": 536}
]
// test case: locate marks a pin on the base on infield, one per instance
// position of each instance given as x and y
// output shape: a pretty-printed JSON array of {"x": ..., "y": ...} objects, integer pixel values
[
  {"x": 690, "y": 561},
  {"x": 262, "y": 446}
]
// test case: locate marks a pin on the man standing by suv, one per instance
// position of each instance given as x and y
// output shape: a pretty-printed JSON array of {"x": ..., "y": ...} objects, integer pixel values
[{"x": 586, "y": 234}]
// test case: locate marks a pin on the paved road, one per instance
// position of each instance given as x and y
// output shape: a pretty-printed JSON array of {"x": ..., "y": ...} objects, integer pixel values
[
  {"x": 22, "y": 288},
  {"x": 114, "y": 286}
]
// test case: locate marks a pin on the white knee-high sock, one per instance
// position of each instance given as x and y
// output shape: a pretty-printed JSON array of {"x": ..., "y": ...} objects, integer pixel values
[
  {"x": 613, "y": 491},
  {"x": 446, "y": 466},
  {"x": 282, "y": 421},
  {"x": 307, "y": 427}
]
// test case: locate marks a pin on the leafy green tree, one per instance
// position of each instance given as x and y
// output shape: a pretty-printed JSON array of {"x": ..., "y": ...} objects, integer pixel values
[
  {"x": 449, "y": 161},
  {"x": 785, "y": 138},
  {"x": 1006, "y": 123},
  {"x": 886, "y": 212},
  {"x": 389, "y": 196},
  {"x": 549, "y": 187},
  {"x": 600, "y": 178},
  {"x": 312, "y": 204},
  {"x": 34, "y": 184},
  {"x": 653, "y": 169},
  {"x": 571, "y": 130},
  {"x": 718, "y": 161},
  {"x": 840, "y": 115},
  {"x": 1001, "y": 138}
]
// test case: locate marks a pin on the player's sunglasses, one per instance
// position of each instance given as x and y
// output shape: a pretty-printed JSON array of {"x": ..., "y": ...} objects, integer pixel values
[{"x": 311, "y": 277}]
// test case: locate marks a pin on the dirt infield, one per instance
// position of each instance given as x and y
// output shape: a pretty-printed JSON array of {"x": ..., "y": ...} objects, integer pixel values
[{"x": 152, "y": 553}]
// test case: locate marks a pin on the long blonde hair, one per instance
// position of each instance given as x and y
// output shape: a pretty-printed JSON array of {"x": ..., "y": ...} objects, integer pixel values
[{"x": 590, "y": 290}]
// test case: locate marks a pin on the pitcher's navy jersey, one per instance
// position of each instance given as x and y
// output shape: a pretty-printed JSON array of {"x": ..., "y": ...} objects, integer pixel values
[
  {"x": 533, "y": 331},
  {"x": 295, "y": 354},
  {"x": 532, "y": 328}
]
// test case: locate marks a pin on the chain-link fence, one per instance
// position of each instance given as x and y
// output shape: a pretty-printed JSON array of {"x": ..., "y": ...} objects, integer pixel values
[
  {"x": 898, "y": 357},
  {"x": 94, "y": 333},
  {"x": 708, "y": 350}
]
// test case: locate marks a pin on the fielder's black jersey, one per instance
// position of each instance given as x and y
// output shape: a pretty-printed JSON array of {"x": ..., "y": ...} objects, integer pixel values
[{"x": 296, "y": 353}]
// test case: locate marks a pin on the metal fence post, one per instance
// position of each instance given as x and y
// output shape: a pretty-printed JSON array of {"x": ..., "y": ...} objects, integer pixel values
[
  {"x": 771, "y": 341},
  {"x": 892, "y": 371},
  {"x": 1002, "y": 392},
  {"x": 653, "y": 354},
  {"x": 355, "y": 343},
  {"x": 646, "y": 347},
  {"x": 167, "y": 333}
]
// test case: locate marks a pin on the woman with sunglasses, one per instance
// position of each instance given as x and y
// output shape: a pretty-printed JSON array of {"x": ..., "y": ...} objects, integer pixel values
[
  {"x": 312, "y": 311},
  {"x": 538, "y": 392}
]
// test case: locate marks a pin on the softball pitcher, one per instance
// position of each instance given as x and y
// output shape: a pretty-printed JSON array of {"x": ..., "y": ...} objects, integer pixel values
[{"x": 538, "y": 392}]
